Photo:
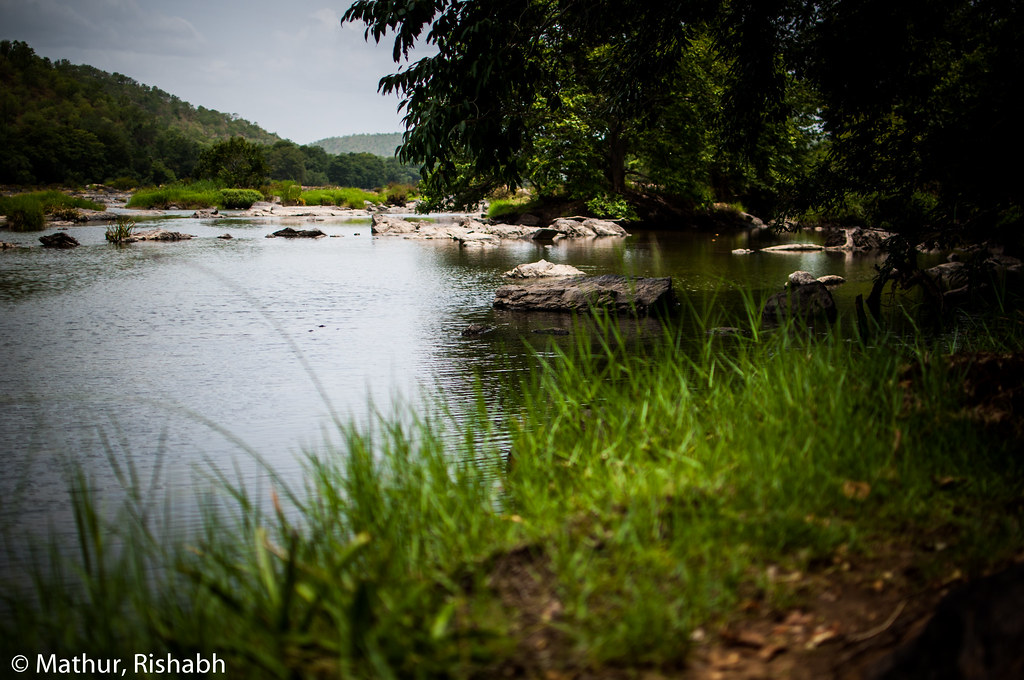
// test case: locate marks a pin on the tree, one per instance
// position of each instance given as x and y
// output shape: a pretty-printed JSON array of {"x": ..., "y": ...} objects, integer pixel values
[
  {"x": 916, "y": 103},
  {"x": 514, "y": 83},
  {"x": 235, "y": 163}
]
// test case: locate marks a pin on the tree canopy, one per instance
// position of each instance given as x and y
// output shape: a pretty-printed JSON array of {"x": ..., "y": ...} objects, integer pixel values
[{"x": 906, "y": 107}]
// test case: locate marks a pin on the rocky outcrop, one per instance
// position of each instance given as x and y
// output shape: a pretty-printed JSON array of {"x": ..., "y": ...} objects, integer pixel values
[
  {"x": 542, "y": 269},
  {"x": 809, "y": 302},
  {"x": 206, "y": 213},
  {"x": 472, "y": 232},
  {"x": 855, "y": 239},
  {"x": 59, "y": 240},
  {"x": 158, "y": 235},
  {"x": 576, "y": 227},
  {"x": 288, "y": 232},
  {"x": 620, "y": 294}
]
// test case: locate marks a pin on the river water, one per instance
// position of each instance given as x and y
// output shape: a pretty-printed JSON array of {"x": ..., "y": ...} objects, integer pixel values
[{"x": 182, "y": 356}]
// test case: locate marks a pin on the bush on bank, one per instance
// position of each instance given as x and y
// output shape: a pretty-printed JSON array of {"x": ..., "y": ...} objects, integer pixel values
[{"x": 27, "y": 211}]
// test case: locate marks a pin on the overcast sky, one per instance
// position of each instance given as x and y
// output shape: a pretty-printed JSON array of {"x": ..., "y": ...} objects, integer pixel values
[{"x": 288, "y": 66}]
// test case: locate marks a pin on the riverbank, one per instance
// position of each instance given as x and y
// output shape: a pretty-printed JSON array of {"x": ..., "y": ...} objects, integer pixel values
[{"x": 771, "y": 506}]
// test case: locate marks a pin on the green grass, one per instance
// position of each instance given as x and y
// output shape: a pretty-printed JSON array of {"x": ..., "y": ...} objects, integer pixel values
[
  {"x": 184, "y": 196},
  {"x": 502, "y": 207},
  {"x": 649, "y": 483},
  {"x": 346, "y": 197},
  {"x": 120, "y": 232},
  {"x": 26, "y": 212}
]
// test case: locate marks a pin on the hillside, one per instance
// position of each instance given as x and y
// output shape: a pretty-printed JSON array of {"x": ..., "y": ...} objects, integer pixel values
[
  {"x": 62, "y": 123},
  {"x": 381, "y": 144}
]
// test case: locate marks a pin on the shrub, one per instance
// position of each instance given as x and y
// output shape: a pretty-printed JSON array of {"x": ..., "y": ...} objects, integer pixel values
[
  {"x": 289, "y": 192},
  {"x": 399, "y": 194},
  {"x": 122, "y": 231},
  {"x": 27, "y": 218},
  {"x": 239, "y": 199},
  {"x": 26, "y": 212},
  {"x": 65, "y": 213}
]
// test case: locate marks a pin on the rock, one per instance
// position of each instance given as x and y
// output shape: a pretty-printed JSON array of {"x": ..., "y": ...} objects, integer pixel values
[
  {"x": 158, "y": 235},
  {"x": 87, "y": 215},
  {"x": 4, "y": 245},
  {"x": 832, "y": 280},
  {"x": 226, "y": 236},
  {"x": 800, "y": 278},
  {"x": 793, "y": 248},
  {"x": 621, "y": 294},
  {"x": 59, "y": 240},
  {"x": 385, "y": 224},
  {"x": 541, "y": 269},
  {"x": 206, "y": 213},
  {"x": 476, "y": 240},
  {"x": 948, "y": 275},
  {"x": 547, "y": 234},
  {"x": 809, "y": 301},
  {"x": 575, "y": 227},
  {"x": 475, "y": 329},
  {"x": 288, "y": 232},
  {"x": 742, "y": 251},
  {"x": 855, "y": 239}
]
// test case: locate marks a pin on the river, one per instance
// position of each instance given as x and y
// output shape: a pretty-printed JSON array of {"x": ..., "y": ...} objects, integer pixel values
[{"x": 183, "y": 356}]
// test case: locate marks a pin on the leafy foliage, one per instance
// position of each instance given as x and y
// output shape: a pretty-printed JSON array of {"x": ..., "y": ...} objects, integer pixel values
[
  {"x": 239, "y": 199},
  {"x": 234, "y": 163},
  {"x": 907, "y": 109}
]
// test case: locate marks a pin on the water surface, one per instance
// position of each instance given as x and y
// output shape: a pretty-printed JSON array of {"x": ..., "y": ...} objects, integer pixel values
[{"x": 179, "y": 356}]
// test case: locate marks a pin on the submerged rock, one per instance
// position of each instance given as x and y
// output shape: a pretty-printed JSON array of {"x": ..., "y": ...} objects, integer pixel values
[
  {"x": 288, "y": 232},
  {"x": 59, "y": 240},
  {"x": 793, "y": 248},
  {"x": 621, "y": 294},
  {"x": 542, "y": 269},
  {"x": 475, "y": 329}
]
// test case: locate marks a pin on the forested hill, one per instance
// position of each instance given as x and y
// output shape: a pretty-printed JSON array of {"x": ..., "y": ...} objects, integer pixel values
[
  {"x": 381, "y": 144},
  {"x": 62, "y": 123}
]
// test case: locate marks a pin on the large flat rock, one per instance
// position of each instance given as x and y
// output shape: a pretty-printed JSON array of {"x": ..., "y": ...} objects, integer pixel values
[{"x": 612, "y": 292}]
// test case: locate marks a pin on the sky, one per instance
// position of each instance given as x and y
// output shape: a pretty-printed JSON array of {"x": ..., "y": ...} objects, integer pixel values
[{"x": 289, "y": 66}]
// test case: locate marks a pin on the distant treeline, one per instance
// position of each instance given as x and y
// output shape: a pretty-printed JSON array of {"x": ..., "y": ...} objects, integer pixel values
[
  {"x": 381, "y": 144},
  {"x": 67, "y": 124}
]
